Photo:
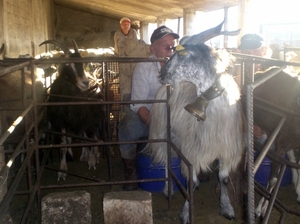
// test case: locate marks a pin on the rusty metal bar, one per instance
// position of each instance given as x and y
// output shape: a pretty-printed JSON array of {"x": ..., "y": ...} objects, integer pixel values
[
  {"x": 109, "y": 183},
  {"x": 272, "y": 73},
  {"x": 249, "y": 102},
  {"x": 4, "y": 206},
  {"x": 273, "y": 196},
  {"x": 280, "y": 109},
  {"x": 98, "y": 102},
  {"x": 250, "y": 161},
  {"x": 97, "y": 59},
  {"x": 268, "y": 144},
  {"x": 190, "y": 185},
  {"x": 5, "y": 71},
  {"x": 278, "y": 204},
  {"x": 36, "y": 188},
  {"x": 108, "y": 152},
  {"x": 16, "y": 152},
  {"x": 169, "y": 149},
  {"x": 5, "y": 135},
  {"x": 267, "y": 61}
]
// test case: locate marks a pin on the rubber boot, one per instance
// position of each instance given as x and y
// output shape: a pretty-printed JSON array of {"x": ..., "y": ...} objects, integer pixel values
[{"x": 130, "y": 174}]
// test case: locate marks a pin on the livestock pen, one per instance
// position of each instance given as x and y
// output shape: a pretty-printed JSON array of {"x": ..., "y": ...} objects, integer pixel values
[
  {"x": 31, "y": 163},
  {"x": 33, "y": 170}
]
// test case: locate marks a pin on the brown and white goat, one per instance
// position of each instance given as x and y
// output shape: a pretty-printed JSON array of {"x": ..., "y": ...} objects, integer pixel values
[{"x": 280, "y": 93}]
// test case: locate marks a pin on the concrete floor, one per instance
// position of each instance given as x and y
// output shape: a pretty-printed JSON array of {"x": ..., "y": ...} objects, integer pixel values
[{"x": 206, "y": 198}]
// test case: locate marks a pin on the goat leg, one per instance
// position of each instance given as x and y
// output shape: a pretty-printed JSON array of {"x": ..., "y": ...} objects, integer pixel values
[
  {"x": 63, "y": 164},
  {"x": 226, "y": 208}
]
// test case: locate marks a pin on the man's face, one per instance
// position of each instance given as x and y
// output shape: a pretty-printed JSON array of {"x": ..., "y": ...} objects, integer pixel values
[
  {"x": 163, "y": 47},
  {"x": 125, "y": 26},
  {"x": 256, "y": 52},
  {"x": 260, "y": 52}
]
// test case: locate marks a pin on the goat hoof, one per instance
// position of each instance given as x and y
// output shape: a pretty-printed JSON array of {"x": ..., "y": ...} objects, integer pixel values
[
  {"x": 230, "y": 217},
  {"x": 228, "y": 213},
  {"x": 184, "y": 218}
]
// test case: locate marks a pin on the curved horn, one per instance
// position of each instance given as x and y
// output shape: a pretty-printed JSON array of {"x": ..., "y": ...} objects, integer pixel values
[
  {"x": 2, "y": 49},
  {"x": 75, "y": 46},
  {"x": 203, "y": 36},
  {"x": 231, "y": 33},
  {"x": 64, "y": 47}
]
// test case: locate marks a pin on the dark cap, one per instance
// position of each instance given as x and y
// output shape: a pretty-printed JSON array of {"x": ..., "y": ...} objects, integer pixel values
[
  {"x": 251, "y": 42},
  {"x": 162, "y": 31}
]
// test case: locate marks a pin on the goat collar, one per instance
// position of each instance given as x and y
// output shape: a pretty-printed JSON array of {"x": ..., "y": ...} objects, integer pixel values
[{"x": 214, "y": 91}]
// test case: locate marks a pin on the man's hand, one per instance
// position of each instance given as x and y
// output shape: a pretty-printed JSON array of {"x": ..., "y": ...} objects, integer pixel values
[
  {"x": 257, "y": 131},
  {"x": 144, "y": 114}
]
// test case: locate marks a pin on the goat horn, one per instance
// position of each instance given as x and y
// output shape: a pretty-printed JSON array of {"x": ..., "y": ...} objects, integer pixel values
[
  {"x": 2, "y": 49},
  {"x": 75, "y": 46},
  {"x": 203, "y": 36},
  {"x": 64, "y": 47},
  {"x": 231, "y": 33},
  {"x": 207, "y": 35}
]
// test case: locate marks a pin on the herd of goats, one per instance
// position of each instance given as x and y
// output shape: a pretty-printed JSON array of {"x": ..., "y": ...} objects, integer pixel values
[{"x": 195, "y": 72}]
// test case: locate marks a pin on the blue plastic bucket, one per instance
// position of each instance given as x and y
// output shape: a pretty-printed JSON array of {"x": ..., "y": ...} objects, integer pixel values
[
  {"x": 147, "y": 170},
  {"x": 263, "y": 173}
]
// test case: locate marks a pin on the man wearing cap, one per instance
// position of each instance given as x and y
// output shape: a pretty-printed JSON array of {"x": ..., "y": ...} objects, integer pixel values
[
  {"x": 128, "y": 45},
  {"x": 123, "y": 35},
  {"x": 145, "y": 84},
  {"x": 253, "y": 44}
]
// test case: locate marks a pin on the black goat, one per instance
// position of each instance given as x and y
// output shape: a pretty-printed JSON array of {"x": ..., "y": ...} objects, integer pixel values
[{"x": 72, "y": 85}]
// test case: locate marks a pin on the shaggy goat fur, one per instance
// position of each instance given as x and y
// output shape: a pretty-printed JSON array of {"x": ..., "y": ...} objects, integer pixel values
[
  {"x": 220, "y": 137},
  {"x": 202, "y": 142}
]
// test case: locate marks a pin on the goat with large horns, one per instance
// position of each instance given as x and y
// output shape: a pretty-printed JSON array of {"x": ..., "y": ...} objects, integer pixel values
[
  {"x": 193, "y": 70},
  {"x": 72, "y": 85}
]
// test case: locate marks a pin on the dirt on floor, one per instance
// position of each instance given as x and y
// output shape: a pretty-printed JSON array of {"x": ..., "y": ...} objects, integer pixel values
[{"x": 206, "y": 197}]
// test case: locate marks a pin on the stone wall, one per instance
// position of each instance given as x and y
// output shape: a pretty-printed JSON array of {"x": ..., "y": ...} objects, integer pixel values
[
  {"x": 89, "y": 30},
  {"x": 24, "y": 25}
]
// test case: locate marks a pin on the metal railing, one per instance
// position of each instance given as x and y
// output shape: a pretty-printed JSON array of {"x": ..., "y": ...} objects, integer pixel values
[
  {"x": 31, "y": 151},
  {"x": 248, "y": 85}
]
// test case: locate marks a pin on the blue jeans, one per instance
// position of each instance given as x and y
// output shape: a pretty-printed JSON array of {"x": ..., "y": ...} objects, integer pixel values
[{"x": 131, "y": 128}]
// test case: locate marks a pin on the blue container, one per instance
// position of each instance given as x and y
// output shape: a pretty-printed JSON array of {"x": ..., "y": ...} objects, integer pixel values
[
  {"x": 147, "y": 170},
  {"x": 263, "y": 173}
]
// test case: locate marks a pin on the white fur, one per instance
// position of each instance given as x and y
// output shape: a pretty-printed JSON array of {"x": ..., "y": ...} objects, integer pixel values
[{"x": 219, "y": 137}]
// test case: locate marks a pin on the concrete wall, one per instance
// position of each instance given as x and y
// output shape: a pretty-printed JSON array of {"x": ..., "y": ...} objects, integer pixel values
[
  {"x": 89, "y": 30},
  {"x": 24, "y": 25}
]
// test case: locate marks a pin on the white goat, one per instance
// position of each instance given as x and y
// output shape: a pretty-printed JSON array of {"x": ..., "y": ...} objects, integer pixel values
[{"x": 197, "y": 71}]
